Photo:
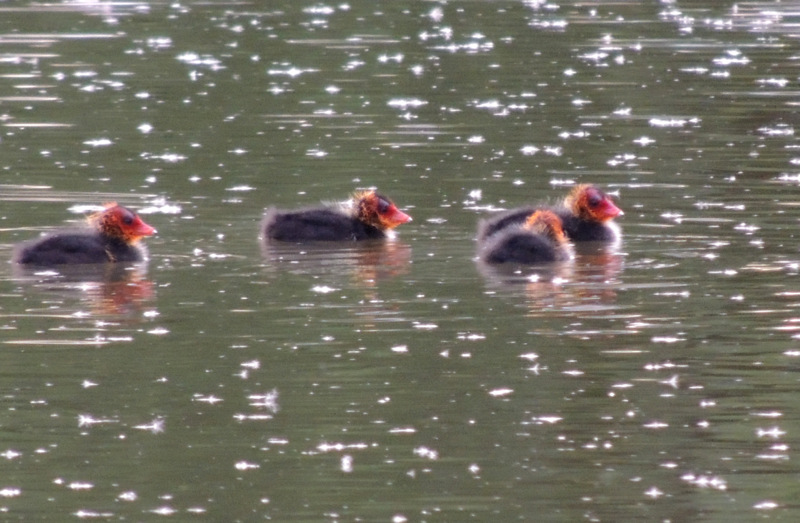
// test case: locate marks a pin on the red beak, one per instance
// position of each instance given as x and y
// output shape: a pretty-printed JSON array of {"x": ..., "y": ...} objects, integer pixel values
[
  {"x": 139, "y": 228},
  {"x": 399, "y": 216},
  {"x": 609, "y": 210},
  {"x": 396, "y": 217}
]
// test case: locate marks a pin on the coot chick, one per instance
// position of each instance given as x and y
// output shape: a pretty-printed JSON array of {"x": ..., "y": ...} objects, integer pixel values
[
  {"x": 113, "y": 237},
  {"x": 540, "y": 239},
  {"x": 368, "y": 215},
  {"x": 586, "y": 214}
]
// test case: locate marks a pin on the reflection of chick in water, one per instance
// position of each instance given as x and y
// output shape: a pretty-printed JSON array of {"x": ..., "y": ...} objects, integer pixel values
[
  {"x": 366, "y": 262},
  {"x": 110, "y": 290},
  {"x": 585, "y": 280},
  {"x": 578, "y": 287},
  {"x": 589, "y": 283},
  {"x": 358, "y": 266},
  {"x": 543, "y": 288},
  {"x": 123, "y": 296},
  {"x": 511, "y": 276},
  {"x": 598, "y": 267},
  {"x": 387, "y": 260}
]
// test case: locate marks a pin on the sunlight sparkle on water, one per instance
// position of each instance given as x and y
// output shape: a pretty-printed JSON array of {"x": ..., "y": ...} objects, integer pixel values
[
  {"x": 323, "y": 289},
  {"x": 667, "y": 122},
  {"x": 292, "y": 72},
  {"x": 167, "y": 157},
  {"x": 553, "y": 150},
  {"x": 91, "y": 514},
  {"x": 245, "y": 465},
  {"x": 319, "y": 10},
  {"x": 252, "y": 364},
  {"x": 546, "y": 420},
  {"x": 488, "y": 104},
  {"x": 267, "y": 400},
  {"x": 160, "y": 205},
  {"x": 766, "y": 505},
  {"x": 206, "y": 399},
  {"x": 499, "y": 393},
  {"x": 425, "y": 452},
  {"x": 666, "y": 339},
  {"x": 99, "y": 142},
  {"x": 252, "y": 417},
  {"x": 703, "y": 481},
  {"x": 337, "y": 447},
  {"x": 406, "y": 103},
  {"x": 732, "y": 57},
  {"x": 772, "y": 432},
  {"x": 11, "y": 454},
  {"x": 768, "y": 414},
  {"x": 155, "y": 427},
  {"x": 778, "y": 130},
  {"x": 128, "y": 496},
  {"x": 353, "y": 65},
  {"x": 164, "y": 511},
  {"x": 654, "y": 493},
  {"x": 87, "y": 420}
]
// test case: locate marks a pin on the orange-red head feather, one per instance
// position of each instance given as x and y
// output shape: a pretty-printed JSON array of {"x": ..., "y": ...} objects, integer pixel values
[
  {"x": 587, "y": 202},
  {"x": 377, "y": 210},
  {"x": 120, "y": 222}
]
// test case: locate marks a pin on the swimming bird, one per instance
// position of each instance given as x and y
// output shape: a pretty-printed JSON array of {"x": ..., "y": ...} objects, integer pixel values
[
  {"x": 113, "y": 236},
  {"x": 367, "y": 215},
  {"x": 586, "y": 214},
  {"x": 540, "y": 239}
]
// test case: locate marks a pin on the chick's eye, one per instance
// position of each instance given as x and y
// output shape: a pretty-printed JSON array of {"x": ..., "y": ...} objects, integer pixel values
[
  {"x": 383, "y": 206},
  {"x": 595, "y": 199},
  {"x": 127, "y": 219}
]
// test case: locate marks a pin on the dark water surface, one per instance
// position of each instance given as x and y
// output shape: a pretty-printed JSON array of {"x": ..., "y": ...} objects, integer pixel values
[{"x": 227, "y": 380}]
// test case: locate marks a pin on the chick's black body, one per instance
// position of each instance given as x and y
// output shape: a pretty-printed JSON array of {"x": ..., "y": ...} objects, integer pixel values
[
  {"x": 580, "y": 230},
  {"x": 317, "y": 225},
  {"x": 112, "y": 237},
  {"x": 368, "y": 215},
  {"x": 517, "y": 245},
  {"x": 514, "y": 217},
  {"x": 76, "y": 248}
]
